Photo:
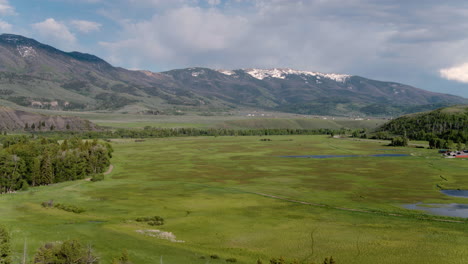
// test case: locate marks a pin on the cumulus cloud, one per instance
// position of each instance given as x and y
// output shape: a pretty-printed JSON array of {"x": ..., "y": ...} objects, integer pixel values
[
  {"x": 55, "y": 31},
  {"x": 177, "y": 36},
  {"x": 457, "y": 73},
  {"x": 86, "y": 26},
  {"x": 6, "y": 8},
  {"x": 5, "y": 27}
]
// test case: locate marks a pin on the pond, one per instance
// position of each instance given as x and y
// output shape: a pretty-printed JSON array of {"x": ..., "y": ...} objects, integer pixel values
[
  {"x": 456, "y": 193},
  {"x": 453, "y": 210},
  {"x": 346, "y": 156}
]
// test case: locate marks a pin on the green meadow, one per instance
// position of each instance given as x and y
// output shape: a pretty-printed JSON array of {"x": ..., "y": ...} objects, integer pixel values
[
  {"x": 221, "y": 196},
  {"x": 236, "y": 120}
]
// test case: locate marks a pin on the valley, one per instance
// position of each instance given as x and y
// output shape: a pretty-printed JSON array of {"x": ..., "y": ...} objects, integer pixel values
[{"x": 218, "y": 196}]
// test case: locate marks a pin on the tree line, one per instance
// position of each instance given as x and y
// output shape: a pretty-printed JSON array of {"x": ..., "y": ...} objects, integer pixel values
[
  {"x": 26, "y": 161},
  {"x": 152, "y": 132}
]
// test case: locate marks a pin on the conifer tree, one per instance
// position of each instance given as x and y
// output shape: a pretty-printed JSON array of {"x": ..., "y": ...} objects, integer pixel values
[{"x": 5, "y": 250}]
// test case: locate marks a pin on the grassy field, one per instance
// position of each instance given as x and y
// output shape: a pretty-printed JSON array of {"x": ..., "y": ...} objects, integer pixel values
[
  {"x": 238, "y": 122},
  {"x": 210, "y": 192},
  {"x": 234, "y": 120}
]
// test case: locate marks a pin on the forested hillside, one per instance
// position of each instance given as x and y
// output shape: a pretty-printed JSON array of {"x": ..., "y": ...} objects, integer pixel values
[{"x": 445, "y": 123}]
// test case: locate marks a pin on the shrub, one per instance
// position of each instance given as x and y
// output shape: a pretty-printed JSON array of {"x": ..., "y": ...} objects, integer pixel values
[
  {"x": 399, "y": 142},
  {"x": 153, "y": 221},
  {"x": 232, "y": 260},
  {"x": 70, "y": 251},
  {"x": 24, "y": 185},
  {"x": 70, "y": 208},
  {"x": 48, "y": 204},
  {"x": 214, "y": 257},
  {"x": 97, "y": 177}
]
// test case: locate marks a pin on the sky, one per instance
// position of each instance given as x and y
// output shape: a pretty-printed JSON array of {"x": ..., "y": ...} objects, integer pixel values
[{"x": 415, "y": 42}]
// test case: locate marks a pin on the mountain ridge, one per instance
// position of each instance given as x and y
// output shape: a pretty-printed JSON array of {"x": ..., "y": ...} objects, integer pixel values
[{"x": 33, "y": 74}]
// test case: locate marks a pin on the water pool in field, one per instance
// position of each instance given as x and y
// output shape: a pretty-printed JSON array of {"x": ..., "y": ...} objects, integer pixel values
[
  {"x": 456, "y": 193},
  {"x": 453, "y": 210},
  {"x": 345, "y": 156}
]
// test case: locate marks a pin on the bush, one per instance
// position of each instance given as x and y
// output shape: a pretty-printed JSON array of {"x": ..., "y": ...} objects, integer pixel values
[
  {"x": 214, "y": 257},
  {"x": 48, "y": 204},
  {"x": 66, "y": 252},
  {"x": 24, "y": 186},
  {"x": 70, "y": 208},
  {"x": 399, "y": 142},
  {"x": 97, "y": 177},
  {"x": 232, "y": 260},
  {"x": 152, "y": 221}
]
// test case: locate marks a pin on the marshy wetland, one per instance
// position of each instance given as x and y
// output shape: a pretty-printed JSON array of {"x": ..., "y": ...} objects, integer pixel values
[{"x": 235, "y": 197}]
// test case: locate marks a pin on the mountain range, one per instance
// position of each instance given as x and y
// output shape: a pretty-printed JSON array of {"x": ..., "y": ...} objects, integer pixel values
[{"x": 33, "y": 74}]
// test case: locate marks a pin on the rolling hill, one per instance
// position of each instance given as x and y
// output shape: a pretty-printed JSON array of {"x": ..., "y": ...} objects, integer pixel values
[
  {"x": 450, "y": 123},
  {"x": 33, "y": 74}
]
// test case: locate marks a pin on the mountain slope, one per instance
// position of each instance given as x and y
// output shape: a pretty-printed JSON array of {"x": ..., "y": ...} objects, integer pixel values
[
  {"x": 33, "y": 74},
  {"x": 14, "y": 120},
  {"x": 309, "y": 92}
]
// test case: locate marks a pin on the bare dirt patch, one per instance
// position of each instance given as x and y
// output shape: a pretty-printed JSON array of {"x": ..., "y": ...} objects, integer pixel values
[{"x": 160, "y": 234}]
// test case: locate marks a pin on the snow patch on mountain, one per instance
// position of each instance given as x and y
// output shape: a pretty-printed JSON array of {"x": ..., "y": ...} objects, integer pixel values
[
  {"x": 26, "y": 51},
  {"x": 282, "y": 73},
  {"x": 196, "y": 74},
  {"x": 226, "y": 72}
]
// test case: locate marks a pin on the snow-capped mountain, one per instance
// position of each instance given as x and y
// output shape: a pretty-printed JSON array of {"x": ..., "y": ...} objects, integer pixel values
[
  {"x": 283, "y": 73},
  {"x": 37, "y": 75}
]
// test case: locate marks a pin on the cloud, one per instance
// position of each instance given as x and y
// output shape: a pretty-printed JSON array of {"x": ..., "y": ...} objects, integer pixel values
[
  {"x": 55, "y": 31},
  {"x": 160, "y": 3},
  {"x": 86, "y": 26},
  {"x": 457, "y": 73},
  {"x": 6, "y": 8},
  {"x": 5, "y": 27},
  {"x": 177, "y": 36},
  {"x": 214, "y": 2}
]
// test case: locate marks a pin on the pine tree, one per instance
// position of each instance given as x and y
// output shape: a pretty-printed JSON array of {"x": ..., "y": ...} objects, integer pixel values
[
  {"x": 36, "y": 172},
  {"x": 5, "y": 250},
  {"x": 47, "y": 171}
]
